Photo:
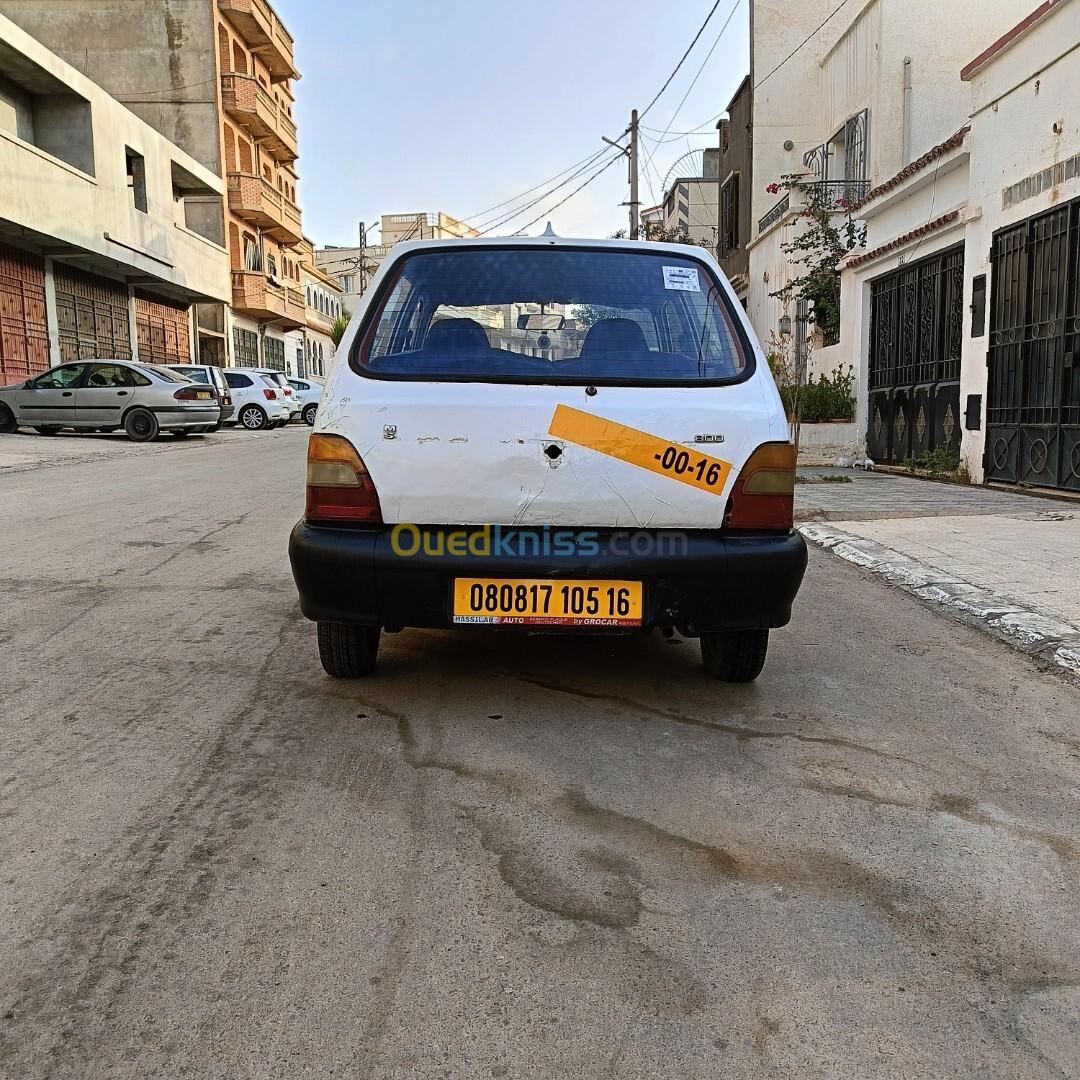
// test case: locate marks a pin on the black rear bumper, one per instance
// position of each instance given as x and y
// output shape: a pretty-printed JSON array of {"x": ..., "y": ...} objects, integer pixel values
[{"x": 704, "y": 581}]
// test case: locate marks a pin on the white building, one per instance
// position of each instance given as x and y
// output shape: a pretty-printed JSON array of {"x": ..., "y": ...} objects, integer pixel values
[
  {"x": 108, "y": 231},
  {"x": 846, "y": 105},
  {"x": 959, "y": 314},
  {"x": 354, "y": 267}
]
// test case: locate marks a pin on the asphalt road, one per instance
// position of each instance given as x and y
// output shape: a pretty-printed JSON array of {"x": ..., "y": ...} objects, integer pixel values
[{"x": 503, "y": 856}]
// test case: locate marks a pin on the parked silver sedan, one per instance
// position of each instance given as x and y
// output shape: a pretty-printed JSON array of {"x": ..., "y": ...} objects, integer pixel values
[{"x": 106, "y": 395}]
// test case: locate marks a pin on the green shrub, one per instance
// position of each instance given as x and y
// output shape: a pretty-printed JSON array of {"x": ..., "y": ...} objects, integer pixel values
[{"x": 830, "y": 397}]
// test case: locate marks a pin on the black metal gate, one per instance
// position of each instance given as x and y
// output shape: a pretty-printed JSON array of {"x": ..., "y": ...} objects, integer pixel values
[
  {"x": 916, "y": 327},
  {"x": 1033, "y": 407}
]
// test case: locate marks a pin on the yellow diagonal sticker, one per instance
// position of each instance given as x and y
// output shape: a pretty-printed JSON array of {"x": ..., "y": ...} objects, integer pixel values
[{"x": 640, "y": 448}]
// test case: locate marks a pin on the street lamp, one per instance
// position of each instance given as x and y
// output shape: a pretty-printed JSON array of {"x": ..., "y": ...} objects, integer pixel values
[{"x": 785, "y": 326}]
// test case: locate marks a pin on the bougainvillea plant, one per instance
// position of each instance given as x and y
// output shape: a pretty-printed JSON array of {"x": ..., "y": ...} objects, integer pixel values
[{"x": 829, "y": 232}]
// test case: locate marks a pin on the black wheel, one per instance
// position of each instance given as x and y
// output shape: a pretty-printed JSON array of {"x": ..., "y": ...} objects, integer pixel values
[
  {"x": 181, "y": 433},
  {"x": 735, "y": 655},
  {"x": 253, "y": 418},
  {"x": 7, "y": 420},
  {"x": 141, "y": 425},
  {"x": 309, "y": 414},
  {"x": 46, "y": 430},
  {"x": 348, "y": 651},
  {"x": 217, "y": 427}
]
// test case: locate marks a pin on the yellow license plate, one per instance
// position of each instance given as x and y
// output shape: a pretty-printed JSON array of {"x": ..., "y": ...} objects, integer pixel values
[
  {"x": 558, "y": 602},
  {"x": 203, "y": 394}
]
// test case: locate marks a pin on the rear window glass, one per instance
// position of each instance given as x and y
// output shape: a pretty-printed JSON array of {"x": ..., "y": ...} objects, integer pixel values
[
  {"x": 552, "y": 315},
  {"x": 195, "y": 374},
  {"x": 164, "y": 373}
]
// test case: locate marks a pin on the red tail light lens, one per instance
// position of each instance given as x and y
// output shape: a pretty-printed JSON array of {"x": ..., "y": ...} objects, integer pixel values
[
  {"x": 270, "y": 395},
  {"x": 764, "y": 494},
  {"x": 339, "y": 487},
  {"x": 194, "y": 393}
]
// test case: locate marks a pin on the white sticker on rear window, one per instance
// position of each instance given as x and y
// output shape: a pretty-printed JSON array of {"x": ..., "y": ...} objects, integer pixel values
[{"x": 683, "y": 278}]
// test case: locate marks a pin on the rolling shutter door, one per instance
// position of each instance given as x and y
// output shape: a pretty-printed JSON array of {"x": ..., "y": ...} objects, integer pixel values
[
  {"x": 164, "y": 331},
  {"x": 24, "y": 332},
  {"x": 93, "y": 316}
]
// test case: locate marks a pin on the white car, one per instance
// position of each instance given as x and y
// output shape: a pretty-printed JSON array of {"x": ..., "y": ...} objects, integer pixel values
[
  {"x": 258, "y": 404},
  {"x": 280, "y": 380},
  {"x": 308, "y": 393},
  {"x": 556, "y": 435}
]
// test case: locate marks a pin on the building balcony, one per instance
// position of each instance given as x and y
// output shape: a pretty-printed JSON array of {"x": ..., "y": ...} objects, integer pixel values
[
  {"x": 256, "y": 111},
  {"x": 255, "y": 200},
  {"x": 263, "y": 32},
  {"x": 254, "y": 294},
  {"x": 838, "y": 194}
]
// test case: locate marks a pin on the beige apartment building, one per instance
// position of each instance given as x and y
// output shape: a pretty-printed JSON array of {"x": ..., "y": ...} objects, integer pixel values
[
  {"x": 109, "y": 232},
  {"x": 354, "y": 267},
  {"x": 216, "y": 77},
  {"x": 310, "y": 348}
]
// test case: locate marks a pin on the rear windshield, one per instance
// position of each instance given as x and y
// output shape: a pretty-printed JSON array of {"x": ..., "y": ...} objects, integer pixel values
[
  {"x": 165, "y": 373},
  {"x": 195, "y": 374},
  {"x": 552, "y": 315}
]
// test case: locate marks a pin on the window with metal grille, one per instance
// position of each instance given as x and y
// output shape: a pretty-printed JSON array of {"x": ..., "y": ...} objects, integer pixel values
[
  {"x": 245, "y": 347},
  {"x": 729, "y": 215},
  {"x": 274, "y": 353}
]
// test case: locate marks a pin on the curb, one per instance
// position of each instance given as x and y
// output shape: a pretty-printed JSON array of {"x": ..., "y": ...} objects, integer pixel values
[{"x": 1000, "y": 616}]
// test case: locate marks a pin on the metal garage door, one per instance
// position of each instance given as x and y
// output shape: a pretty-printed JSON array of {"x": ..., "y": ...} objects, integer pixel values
[
  {"x": 916, "y": 327},
  {"x": 24, "y": 332},
  {"x": 164, "y": 331},
  {"x": 92, "y": 313},
  {"x": 1033, "y": 407}
]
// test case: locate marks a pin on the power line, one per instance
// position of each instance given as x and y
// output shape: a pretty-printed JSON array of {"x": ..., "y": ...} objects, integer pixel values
[
  {"x": 800, "y": 45},
  {"x": 551, "y": 209},
  {"x": 480, "y": 214},
  {"x": 708, "y": 55},
  {"x": 490, "y": 227},
  {"x": 701, "y": 30},
  {"x": 693, "y": 131}
]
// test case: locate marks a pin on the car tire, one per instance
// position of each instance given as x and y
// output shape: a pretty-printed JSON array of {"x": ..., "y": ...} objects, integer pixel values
[
  {"x": 735, "y": 656},
  {"x": 8, "y": 423},
  {"x": 309, "y": 414},
  {"x": 253, "y": 418},
  {"x": 181, "y": 433},
  {"x": 46, "y": 430},
  {"x": 217, "y": 427},
  {"x": 141, "y": 425},
  {"x": 348, "y": 651}
]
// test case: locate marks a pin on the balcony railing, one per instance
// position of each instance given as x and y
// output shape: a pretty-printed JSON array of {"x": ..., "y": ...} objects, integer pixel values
[
  {"x": 259, "y": 26},
  {"x": 835, "y": 193},
  {"x": 249, "y": 103},
  {"x": 775, "y": 214},
  {"x": 255, "y": 293},
  {"x": 255, "y": 200}
]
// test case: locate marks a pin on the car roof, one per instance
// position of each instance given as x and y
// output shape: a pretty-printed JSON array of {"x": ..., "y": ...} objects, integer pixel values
[{"x": 640, "y": 247}]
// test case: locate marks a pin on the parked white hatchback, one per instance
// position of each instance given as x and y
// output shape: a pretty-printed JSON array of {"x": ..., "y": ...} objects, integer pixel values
[
  {"x": 259, "y": 404},
  {"x": 308, "y": 393},
  {"x": 557, "y": 435},
  {"x": 280, "y": 381}
]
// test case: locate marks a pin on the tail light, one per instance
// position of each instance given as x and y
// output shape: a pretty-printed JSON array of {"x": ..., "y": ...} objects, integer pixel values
[
  {"x": 270, "y": 395},
  {"x": 339, "y": 487},
  {"x": 764, "y": 494},
  {"x": 288, "y": 392},
  {"x": 194, "y": 393}
]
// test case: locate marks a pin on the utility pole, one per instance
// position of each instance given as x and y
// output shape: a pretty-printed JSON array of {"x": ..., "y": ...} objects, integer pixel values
[
  {"x": 631, "y": 153},
  {"x": 363, "y": 258}
]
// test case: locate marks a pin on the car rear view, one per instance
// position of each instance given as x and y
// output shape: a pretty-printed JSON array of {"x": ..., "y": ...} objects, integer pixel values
[{"x": 550, "y": 435}]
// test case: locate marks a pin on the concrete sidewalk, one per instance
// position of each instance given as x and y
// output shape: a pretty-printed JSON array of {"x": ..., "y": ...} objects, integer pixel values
[{"x": 1007, "y": 562}]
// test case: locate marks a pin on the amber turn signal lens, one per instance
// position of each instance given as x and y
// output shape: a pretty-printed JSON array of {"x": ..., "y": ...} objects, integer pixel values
[
  {"x": 339, "y": 487},
  {"x": 764, "y": 494}
]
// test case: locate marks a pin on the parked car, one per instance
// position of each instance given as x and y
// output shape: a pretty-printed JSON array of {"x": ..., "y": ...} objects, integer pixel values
[
  {"x": 616, "y": 459},
  {"x": 280, "y": 380},
  {"x": 259, "y": 404},
  {"x": 106, "y": 395},
  {"x": 308, "y": 392},
  {"x": 210, "y": 375}
]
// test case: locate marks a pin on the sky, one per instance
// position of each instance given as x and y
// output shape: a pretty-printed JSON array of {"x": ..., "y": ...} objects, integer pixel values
[{"x": 462, "y": 104}]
